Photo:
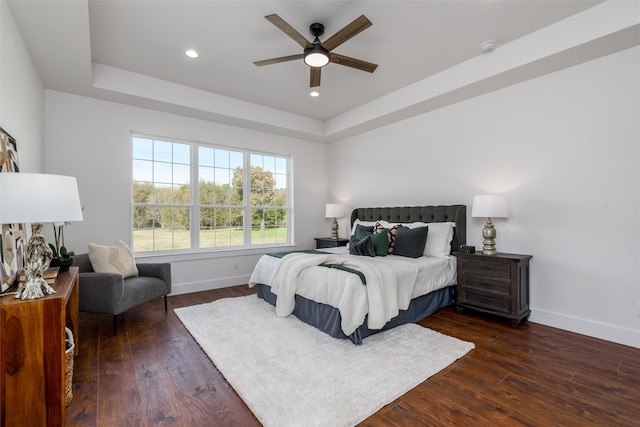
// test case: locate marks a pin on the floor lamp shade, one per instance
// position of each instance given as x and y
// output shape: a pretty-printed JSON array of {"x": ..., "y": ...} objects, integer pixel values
[
  {"x": 489, "y": 206},
  {"x": 36, "y": 199}
]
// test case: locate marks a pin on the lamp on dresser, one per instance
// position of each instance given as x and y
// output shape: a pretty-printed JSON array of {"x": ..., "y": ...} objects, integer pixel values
[
  {"x": 37, "y": 198},
  {"x": 334, "y": 211},
  {"x": 489, "y": 206}
]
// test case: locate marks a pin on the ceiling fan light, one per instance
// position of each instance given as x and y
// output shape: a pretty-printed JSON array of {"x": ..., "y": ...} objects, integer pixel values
[
  {"x": 316, "y": 56},
  {"x": 316, "y": 60}
]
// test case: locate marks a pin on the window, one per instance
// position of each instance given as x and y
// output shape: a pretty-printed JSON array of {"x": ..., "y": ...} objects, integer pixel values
[{"x": 241, "y": 198}]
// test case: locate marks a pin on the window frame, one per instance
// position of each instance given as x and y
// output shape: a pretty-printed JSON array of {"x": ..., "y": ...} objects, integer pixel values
[{"x": 194, "y": 206}]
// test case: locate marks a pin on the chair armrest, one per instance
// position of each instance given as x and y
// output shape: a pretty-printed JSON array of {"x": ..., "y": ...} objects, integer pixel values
[
  {"x": 160, "y": 270},
  {"x": 100, "y": 292}
]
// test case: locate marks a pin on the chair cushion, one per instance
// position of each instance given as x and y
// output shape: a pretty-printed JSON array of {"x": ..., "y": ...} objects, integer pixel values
[{"x": 113, "y": 259}]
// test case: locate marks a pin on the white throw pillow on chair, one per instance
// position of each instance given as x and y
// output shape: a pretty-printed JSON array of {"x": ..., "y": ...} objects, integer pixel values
[{"x": 113, "y": 259}]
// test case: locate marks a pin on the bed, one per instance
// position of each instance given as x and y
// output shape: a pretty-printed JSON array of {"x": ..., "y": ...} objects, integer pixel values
[{"x": 350, "y": 297}]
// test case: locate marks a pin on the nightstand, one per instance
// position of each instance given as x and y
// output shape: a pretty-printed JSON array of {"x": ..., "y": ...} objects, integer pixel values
[
  {"x": 328, "y": 242},
  {"x": 495, "y": 284}
]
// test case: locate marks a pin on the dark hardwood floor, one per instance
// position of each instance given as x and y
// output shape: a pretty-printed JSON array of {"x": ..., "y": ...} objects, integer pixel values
[{"x": 154, "y": 373}]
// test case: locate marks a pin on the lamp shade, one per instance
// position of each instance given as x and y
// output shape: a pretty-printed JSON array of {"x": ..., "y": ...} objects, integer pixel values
[
  {"x": 334, "y": 211},
  {"x": 491, "y": 206},
  {"x": 33, "y": 197}
]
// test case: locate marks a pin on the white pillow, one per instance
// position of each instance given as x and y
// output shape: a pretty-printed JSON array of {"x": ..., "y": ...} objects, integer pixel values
[
  {"x": 438, "y": 238},
  {"x": 113, "y": 259}
]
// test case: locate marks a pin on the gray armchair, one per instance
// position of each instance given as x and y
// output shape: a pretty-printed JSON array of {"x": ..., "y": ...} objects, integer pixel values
[{"x": 109, "y": 293}]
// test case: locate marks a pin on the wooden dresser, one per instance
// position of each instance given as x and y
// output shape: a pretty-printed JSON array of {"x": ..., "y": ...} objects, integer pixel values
[
  {"x": 32, "y": 357},
  {"x": 496, "y": 284}
]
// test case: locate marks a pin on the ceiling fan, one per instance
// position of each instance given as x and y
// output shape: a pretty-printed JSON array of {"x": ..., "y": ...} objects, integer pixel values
[{"x": 317, "y": 54}]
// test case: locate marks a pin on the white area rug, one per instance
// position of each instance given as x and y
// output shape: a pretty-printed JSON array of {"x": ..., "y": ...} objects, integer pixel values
[{"x": 291, "y": 374}]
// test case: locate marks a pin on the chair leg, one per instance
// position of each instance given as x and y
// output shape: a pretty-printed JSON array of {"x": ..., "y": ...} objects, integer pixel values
[
  {"x": 165, "y": 304},
  {"x": 115, "y": 324}
]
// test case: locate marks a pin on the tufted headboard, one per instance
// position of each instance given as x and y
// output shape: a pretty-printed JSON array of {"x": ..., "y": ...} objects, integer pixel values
[{"x": 452, "y": 213}]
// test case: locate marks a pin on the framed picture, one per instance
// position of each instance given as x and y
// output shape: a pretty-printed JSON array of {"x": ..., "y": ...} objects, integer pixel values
[{"x": 13, "y": 241}]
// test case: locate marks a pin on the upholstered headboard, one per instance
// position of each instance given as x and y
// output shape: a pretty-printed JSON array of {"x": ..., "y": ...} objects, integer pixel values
[{"x": 452, "y": 213}]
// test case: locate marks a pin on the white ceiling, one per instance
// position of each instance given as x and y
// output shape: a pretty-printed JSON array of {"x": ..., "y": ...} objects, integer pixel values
[{"x": 133, "y": 52}]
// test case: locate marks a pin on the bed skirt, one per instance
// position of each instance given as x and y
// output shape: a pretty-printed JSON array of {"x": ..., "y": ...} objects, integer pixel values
[{"x": 328, "y": 319}]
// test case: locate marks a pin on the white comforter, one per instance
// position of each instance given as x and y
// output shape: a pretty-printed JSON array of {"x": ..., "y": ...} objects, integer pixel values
[{"x": 343, "y": 290}]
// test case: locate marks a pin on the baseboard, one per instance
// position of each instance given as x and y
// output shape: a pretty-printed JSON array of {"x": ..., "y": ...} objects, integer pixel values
[
  {"x": 590, "y": 328},
  {"x": 187, "y": 288}
]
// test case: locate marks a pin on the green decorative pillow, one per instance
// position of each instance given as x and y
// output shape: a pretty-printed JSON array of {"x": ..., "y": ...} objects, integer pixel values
[
  {"x": 381, "y": 242},
  {"x": 410, "y": 241},
  {"x": 378, "y": 228},
  {"x": 362, "y": 247}
]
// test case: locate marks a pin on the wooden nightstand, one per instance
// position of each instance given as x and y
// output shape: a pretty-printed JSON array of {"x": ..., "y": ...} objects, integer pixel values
[
  {"x": 328, "y": 242},
  {"x": 495, "y": 284}
]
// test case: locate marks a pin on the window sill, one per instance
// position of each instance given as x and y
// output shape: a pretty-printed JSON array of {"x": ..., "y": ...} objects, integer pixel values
[{"x": 189, "y": 255}]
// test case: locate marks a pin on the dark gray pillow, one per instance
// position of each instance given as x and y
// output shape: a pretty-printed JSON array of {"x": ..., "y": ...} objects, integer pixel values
[
  {"x": 362, "y": 247},
  {"x": 410, "y": 242}
]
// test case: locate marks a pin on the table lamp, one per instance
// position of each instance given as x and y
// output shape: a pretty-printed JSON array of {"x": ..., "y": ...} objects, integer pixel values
[
  {"x": 36, "y": 198},
  {"x": 334, "y": 211},
  {"x": 494, "y": 206}
]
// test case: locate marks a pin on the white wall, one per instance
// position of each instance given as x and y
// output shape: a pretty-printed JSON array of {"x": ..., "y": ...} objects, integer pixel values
[
  {"x": 21, "y": 95},
  {"x": 91, "y": 140},
  {"x": 564, "y": 148}
]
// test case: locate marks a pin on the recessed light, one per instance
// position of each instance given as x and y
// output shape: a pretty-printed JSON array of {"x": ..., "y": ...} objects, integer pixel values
[
  {"x": 488, "y": 46},
  {"x": 191, "y": 53},
  {"x": 314, "y": 94}
]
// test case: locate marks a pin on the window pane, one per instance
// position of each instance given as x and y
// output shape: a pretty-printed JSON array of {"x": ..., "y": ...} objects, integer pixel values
[
  {"x": 142, "y": 148},
  {"x": 162, "y": 172},
  {"x": 268, "y": 226},
  {"x": 142, "y": 170},
  {"x": 236, "y": 196},
  {"x": 281, "y": 166},
  {"x": 142, "y": 192},
  {"x": 205, "y": 174},
  {"x": 181, "y": 228},
  {"x": 222, "y": 176},
  {"x": 181, "y": 174},
  {"x": 162, "y": 151},
  {"x": 162, "y": 194},
  {"x": 205, "y": 156},
  {"x": 205, "y": 193},
  {"x": 181, "y": 154},
  {"x": 182, "y": 194},
  {"x": 236, "y": 160},
  {"x": 221, "y": 227},
  {"x": 222, "y": 158}
]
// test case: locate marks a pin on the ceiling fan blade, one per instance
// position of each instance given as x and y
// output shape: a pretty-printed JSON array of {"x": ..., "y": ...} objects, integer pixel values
[
  {"x": 358, "y": 64},
  {"x": 288, "y": 30},
  {"x": 356, "y": 27},
  {"x": 280, "y": 59},
  {"x": 315, "y": 76}
]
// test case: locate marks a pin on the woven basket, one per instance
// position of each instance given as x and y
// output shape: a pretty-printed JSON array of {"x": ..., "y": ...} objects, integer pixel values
[{"x": 68, "y": 367}]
